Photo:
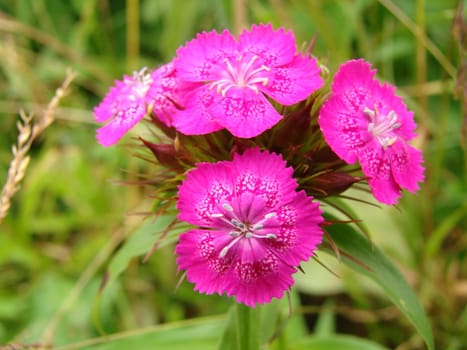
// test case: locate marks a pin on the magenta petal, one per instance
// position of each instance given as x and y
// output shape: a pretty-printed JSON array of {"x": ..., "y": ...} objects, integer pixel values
[
  {"x": 385, "y": 190},
  {"x": 205, "y": 188},
  {"x": 197, "y": 255},
  {"x": 166, "y": 93},
  {"x": 354, "y": 81},
  {"x": 344, "y": 131},
  {"x": 117, "y": 127},
  {"x": 293, "y": 82},
  {"x": 268, "y": 177},
  {"x": 245, "y": 113},
  {"x": 124, "y": 105},
  {"x": 106, "y": 109},
  {"x": 260, "y": 281},
  {"x": 376, "y": 165},
  {"x": 406, "y": 165},
  {"x": 200, "y": 58},
  {"x": 299, "y": 232},
  {"x": 109, "y": 106},
  {"x": 385, "y": 95},
  {"x": 196, "y": 117},
  {"x": 275, "y": 47}
]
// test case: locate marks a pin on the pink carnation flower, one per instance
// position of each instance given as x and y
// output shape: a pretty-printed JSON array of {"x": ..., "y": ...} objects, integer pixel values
[
  {"x": 130, "y": 99},
  {"x": 237, "y": 74},
  {"x": 255, "y": 229},
  {"x": 364, "y": 120}
]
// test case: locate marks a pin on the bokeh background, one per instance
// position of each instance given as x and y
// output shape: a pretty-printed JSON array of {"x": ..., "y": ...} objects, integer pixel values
[{"x": 73, "y": 219}]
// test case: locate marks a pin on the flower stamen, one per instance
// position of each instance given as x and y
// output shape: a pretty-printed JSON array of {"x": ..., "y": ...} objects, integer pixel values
[
  {"x": 241, "y": 75},
  {"x": 381, "y": 126},
  {"x": 242, "y": 229}
]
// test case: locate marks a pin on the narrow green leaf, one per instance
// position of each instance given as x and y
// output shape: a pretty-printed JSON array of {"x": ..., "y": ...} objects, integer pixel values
[
  {"x": 366, "y": 258},
  {"x": 336, "y": 342},
  {"x": 326, "y": 323},
  {"x": 195, "y": 334},
  {"x": 228, "y": 340},
  {"x": 442, "y": 230},
  {"x": 140, "y": 243}
]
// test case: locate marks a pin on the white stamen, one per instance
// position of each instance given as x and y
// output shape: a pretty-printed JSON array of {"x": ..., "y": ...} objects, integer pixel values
[
  {"x": 382, "y": 125},
  {"x": 260, "y": 224},
  {"x": 227, "y": 207},
  {"x": 369, "y": 113},
  {"x": 225, "y": 250},
  {"x": 240, "y": 76}
]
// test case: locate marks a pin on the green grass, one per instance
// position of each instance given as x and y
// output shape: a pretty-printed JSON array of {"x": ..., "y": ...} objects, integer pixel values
[{"x": 72, "y": 215}]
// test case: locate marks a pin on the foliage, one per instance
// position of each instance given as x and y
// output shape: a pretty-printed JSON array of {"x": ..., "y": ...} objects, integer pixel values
[{"x": 73, "y": 222}]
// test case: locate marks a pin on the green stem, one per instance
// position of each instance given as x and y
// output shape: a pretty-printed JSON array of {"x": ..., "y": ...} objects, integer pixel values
[{"x": 247, "y": 322}]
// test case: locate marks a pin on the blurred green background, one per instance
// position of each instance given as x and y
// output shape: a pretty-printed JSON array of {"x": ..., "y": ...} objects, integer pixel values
[{"x": 72, "y": 215}]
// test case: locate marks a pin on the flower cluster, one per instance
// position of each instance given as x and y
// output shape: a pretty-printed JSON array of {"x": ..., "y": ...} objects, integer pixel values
[{"x": 250, "y": 140}]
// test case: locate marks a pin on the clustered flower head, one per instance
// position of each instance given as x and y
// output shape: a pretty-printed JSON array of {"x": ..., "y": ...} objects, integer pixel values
[{"x": 249, "y": 141}]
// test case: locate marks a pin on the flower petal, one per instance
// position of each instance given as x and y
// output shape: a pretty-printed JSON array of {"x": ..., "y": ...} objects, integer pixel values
[
  {"x": 264, "y": 174},
  {"x": 376, "y": 164},
  {"x": 120, "y": 124},
  {"x": 274, "y": 47},
  {"x": 197, "y": 254},
  {"x": 385, "y": 96},
  {"x": 297, "y": 230},
  {"x": 202, "y": 58},
  {"x": 260, "y": 281},
  {"x": 344, "y": 131},
  {"x": 196, "y": 118},
  {"x": 206, "y": 187},
  {"x": 293, "y": 82},
  {"x": 244, "y": 112},
  {"x": 406, "y": 165},
  {"x": 166, "y": 93},
  {"x": 354, "y": 82}
]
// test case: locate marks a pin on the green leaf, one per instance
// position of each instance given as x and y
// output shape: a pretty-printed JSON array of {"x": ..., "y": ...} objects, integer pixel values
[
  {"x": 141, "y": 242},
  {"x": 361, "y": 255},
  {"x": 326, "y": 323},
  {"x": 443, "y": 229},
  {"x": 336, "y": 342},
  {"x": 195, "y": 334}
]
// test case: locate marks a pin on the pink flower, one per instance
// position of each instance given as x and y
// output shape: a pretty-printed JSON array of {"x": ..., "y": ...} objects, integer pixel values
[
  {"x": 132, "y": 98},
  {"x": 255, "y": 229},
  {"x": 166, "y": 94},
  {"x": 237, "y": 74},
  {"x": 364, "y": 120}
]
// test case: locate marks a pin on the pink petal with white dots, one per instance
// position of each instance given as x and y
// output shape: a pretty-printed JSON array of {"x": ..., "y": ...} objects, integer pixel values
[
  {"x": 294, "y": 81},
  {"x": 245, "y": 113}
]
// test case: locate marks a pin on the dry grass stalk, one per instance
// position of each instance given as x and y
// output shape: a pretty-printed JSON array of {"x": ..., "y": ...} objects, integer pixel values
[{"x": 28, "y": 131}]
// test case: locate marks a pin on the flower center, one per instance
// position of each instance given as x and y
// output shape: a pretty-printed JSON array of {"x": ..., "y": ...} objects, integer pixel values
[
  {"x": 241, "y": 228},
  {"x": 241, "y": 74},
  {"x": 382, "y": 126},
  {"x": 141, "y": 81}
]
